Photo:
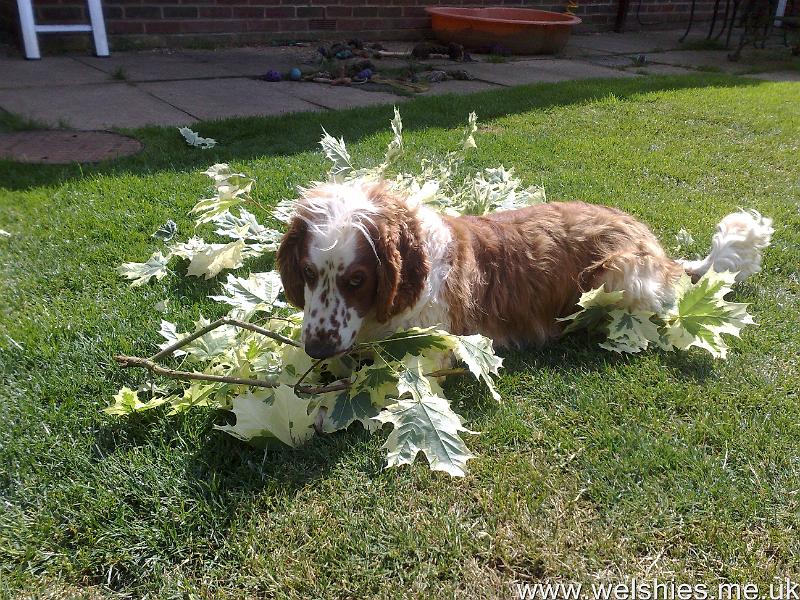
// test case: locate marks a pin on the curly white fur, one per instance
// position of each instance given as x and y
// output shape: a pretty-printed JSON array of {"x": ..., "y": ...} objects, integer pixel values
[{"x": 736, "y": 246}]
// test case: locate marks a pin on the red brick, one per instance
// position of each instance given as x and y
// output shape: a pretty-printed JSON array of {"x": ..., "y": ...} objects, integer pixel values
[
  {"x": 263, "y": 25},
  {"x": 293, "y": 24},
  {"x": 218, "y": 26},
  {"x": 248, "y": 12},
  {"x": 62, "y": 14},
  {"x": 162, "y": 27},
  {"x": 365, "y": 11},
  {"x": 215, "y": 12},
  {"x": 414, "y": 11},
  {"x": 407, "y": 23},
  {"x": 279, "y": 12},
  {"x": 180, "y": 12},
  {"x": 310, "y": 12},
  {"x": 332, "y": 12},
  {"x": 143, "y": 12},
  {"x": 126, "y": 27},
  {"x": 361, "y": 24}
]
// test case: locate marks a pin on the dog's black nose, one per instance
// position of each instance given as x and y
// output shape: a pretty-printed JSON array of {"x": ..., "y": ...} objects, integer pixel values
[{"x": 320, "y": 348}]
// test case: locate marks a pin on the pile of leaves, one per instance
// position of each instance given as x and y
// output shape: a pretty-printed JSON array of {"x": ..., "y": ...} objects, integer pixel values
[
  {"x": 698, "y": 317},
  {"x": 251, "y": 363}
]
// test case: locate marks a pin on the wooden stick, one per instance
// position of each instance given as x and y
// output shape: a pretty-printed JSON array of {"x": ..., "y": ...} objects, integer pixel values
[
  {"x": 219, "y": 323},
  {"x": 145, "y": 363}
]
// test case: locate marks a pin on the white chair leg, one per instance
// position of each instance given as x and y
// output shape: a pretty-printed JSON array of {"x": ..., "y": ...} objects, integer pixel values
[
  {"x": 98, "y": 27},
  {"x": 28, "y": 26}
]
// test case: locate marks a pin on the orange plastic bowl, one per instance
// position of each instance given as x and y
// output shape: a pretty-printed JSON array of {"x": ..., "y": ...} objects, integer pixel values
[{"x": 521, "y": 30}]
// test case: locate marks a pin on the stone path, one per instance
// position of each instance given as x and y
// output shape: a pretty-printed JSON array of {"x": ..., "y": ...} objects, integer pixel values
[{"x": 133, "y": 89}]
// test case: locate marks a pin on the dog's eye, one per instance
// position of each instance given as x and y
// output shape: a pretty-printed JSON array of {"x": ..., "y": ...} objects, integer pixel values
[
  {"x": 355, "y": 281},
  {"x": 309, "y": 273}
]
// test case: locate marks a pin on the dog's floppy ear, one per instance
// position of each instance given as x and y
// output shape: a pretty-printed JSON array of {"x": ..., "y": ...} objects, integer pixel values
[
  {"x": 403, "y": 263},
  {"x": 288, "y": 259}
]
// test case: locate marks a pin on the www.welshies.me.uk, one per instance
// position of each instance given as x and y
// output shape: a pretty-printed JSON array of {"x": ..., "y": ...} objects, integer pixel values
[{"x": 653, "y": 589}]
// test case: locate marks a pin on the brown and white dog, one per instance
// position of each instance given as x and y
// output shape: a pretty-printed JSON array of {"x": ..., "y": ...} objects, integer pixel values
[{"x": 363, "y": 261}]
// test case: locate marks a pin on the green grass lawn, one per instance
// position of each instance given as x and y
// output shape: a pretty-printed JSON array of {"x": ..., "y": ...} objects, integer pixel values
[{"x": 595, "y": 466}]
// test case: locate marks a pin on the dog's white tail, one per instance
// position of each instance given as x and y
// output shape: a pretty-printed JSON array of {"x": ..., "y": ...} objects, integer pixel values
[{"x": 736, "y": 246}]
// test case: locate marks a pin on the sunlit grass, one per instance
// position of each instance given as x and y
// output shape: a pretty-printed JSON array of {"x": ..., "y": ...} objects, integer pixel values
[{"x": 660, "y": 465}]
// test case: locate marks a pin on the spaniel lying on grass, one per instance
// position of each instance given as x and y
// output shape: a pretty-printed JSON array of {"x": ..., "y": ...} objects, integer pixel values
[{"x": 363, "y": 261}]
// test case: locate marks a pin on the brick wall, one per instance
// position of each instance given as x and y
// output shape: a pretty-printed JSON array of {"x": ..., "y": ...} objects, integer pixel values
[{"x": 151, "y": 23}]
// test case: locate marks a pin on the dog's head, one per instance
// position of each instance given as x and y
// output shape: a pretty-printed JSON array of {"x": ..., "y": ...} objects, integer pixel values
[{"x": 352, "y": 253}]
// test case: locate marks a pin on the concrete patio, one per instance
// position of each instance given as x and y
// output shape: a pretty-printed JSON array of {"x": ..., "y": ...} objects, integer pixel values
[{"x": 134, "y": 89}]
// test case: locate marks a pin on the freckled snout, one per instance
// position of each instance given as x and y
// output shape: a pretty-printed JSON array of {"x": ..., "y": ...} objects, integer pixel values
[{"x": 321, "y": 347}]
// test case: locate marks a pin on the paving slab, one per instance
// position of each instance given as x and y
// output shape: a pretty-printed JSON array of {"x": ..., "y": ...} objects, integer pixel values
[
  {"x": 96, "y": 106},
  {"x": 651, "y": 69},
  {"x": 336, "y": 97},
  {"x": 253, "y": 62},
  {"x": 536, "y": 71},
  {"x": 220, "y": 99},
  {"x": 459, "y": 87},
  {"x": 628, "y": 43},
  {"x": 614, "y": 61},
  {"x": 55, "y": 70},
  {"x": 705, "y": 59},
  {"x": 572, "y": 50},
  {"x": 155, "y": 66},
  {"x": 777, "y": 76}
]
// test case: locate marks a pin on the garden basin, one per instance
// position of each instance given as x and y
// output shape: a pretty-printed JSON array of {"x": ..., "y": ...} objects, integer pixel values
[{"x": 521, "y": 30}]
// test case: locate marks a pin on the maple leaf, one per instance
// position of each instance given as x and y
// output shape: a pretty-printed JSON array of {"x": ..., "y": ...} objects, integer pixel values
[
  {"x": 197, "y": 394},
  {"x": 214, "y": 343},
  {"x": 631, "y": 331},
  {"x": 188, "y": 248},
  {"x": 477, "y": 352},
  {"x": 216, "y": 257},
  {"x": 424, "y": 423},
  {"x": 379, "y": 381},
  {"x": 169, "y": 331},
  {"x": 414, "y": 341},
  {"x": 127, "y": 401},
  {"x": 246, "y": 227},
  {"x": 395, "y": 148},
  {"x": 277, "y": 413},
  {"x": 700, "y": 314},
  {"x": 343, "y": 409},
  {"x": 166, "y": 232},
  {"x": 337, "y": 153},
  {"x": 231, "y": 189},
  {"x": 141, "y": 273},
  {"x": 595, "y": 306},
  {"x": 193, "y": 139},
  {"x": 258, "y": 292}
]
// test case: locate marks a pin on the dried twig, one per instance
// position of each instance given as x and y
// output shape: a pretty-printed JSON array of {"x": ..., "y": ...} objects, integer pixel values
[
  {"x": 447, "y": 372},
  {"x": 146, "y": 363},
  {"x": 151, "y": 365},
  {"x": 219, "y": 323}
]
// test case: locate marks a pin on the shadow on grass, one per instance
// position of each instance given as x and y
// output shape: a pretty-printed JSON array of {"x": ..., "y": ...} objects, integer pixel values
[
  {"x": 580, "y": 350},
  {"x": 221, "y": 468},
  {"x": 250, "y": 138}
]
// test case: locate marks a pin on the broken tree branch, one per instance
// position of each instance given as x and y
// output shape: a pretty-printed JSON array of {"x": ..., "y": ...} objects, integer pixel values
[
  {"x": 146, "y": 363},
  {"x": 337, "y": 386},
  {"x": 219, "y": 323}
]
